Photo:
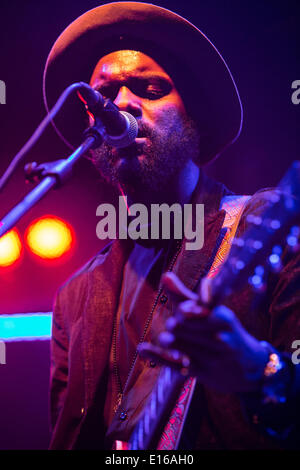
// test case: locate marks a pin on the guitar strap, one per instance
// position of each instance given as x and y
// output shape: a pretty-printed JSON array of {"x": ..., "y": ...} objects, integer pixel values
[{"x": 233, "y": 206}]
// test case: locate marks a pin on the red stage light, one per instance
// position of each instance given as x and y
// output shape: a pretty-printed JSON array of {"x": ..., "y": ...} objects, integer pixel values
[
  {"x": 49, "y": 237},
  {"x": 10, "y": 248}
]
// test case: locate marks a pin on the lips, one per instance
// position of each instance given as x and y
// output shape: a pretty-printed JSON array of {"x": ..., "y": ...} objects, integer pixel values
[{"x": 135, "y": 148}]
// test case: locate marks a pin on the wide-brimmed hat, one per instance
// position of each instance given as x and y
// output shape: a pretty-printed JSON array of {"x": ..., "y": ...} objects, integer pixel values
[{"x": 199, "y": 71}]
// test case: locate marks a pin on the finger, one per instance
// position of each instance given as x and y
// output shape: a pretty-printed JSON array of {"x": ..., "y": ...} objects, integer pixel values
[
  {"x": 198, "y": 320},
  {"x": 193, "y": 346},
  {"x": 191, "y": 310},
  {"x": 220, "y": 318},
  {"x": 176, "y": 288},
  {"x": 224, "y": 315},
  {"x": 205, "y": 291}
]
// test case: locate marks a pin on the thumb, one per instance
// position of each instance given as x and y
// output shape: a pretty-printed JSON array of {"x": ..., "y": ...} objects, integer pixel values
[{"x": 205, "y": 291}]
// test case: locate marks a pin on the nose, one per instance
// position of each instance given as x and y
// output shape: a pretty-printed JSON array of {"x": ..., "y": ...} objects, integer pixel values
[{"x": 128, "y": 101}]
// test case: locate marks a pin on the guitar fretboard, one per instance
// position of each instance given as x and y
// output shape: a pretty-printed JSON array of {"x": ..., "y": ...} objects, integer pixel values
[{"x": 157, "y": 410}]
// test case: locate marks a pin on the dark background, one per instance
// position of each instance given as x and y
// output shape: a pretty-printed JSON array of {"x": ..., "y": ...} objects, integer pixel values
[{"x": 259, "y": 40}]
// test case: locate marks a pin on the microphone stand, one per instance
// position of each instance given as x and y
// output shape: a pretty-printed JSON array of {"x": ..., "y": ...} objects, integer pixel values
[{"x": 52, "y": 174}]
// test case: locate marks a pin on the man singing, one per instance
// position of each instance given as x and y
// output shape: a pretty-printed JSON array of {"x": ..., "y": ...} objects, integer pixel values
[{"x": 162, "y": 70}]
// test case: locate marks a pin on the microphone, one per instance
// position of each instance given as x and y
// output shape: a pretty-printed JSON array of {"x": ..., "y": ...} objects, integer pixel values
[{"x": 120, "y": 127}]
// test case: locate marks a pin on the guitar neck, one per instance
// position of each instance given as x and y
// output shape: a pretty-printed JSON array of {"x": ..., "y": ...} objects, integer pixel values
[
  {"x": 246, "y": 256},
  {"x": 148, "y": 430}
]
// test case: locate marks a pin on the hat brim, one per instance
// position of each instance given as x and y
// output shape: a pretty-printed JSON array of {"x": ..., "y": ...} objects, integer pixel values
[{"x": 152, "y": 29}]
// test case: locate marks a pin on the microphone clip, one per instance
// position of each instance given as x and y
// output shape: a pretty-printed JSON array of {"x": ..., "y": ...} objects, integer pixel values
[
  {"x": 97, "y": 131},
  {"x": 35, "y": 173}
]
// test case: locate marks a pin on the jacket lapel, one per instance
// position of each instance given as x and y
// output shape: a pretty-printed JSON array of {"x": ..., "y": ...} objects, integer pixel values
[{"x": 104, "y": 285}]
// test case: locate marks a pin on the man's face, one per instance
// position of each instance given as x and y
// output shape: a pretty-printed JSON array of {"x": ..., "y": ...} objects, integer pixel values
[{"x": 167, "y": 137}]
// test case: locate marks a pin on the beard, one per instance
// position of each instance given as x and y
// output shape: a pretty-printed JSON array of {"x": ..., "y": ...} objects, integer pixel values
[{"x": 150, "y": 165}]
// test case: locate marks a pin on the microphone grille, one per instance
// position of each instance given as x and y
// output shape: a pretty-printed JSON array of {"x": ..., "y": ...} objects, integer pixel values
[{"x": 128, "y": 136}]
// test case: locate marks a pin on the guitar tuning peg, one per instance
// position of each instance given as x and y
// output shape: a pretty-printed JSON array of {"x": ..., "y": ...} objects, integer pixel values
[
  {"x": 238, "y": 242},
  {"x": 254, "y": 245},
  {"x": 273, "y": 224},
  {"x": 257, "y": 244},
  {"x": 257, "y": 281},
  {"x": 273, "y": 196},
  {"x": 293, "y": 238},
  {"x": 274, "y": 259},
  {"x": 260, "y": 270},
  {"x": 237, "y": 264},
  {"x": 254, "y": 219}
]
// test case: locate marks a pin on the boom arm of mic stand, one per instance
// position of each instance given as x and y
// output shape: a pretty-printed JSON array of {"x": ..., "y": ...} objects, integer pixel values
[{"x": 56, "y": 176}]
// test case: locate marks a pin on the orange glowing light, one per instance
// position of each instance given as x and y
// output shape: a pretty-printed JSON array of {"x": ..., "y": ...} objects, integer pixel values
[
  {"x": 49, "y": 237},
  {"x": 10, "y": 248}
]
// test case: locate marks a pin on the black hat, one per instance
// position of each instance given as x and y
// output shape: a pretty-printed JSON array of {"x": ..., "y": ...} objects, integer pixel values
[{"x": 197, "y": 68}]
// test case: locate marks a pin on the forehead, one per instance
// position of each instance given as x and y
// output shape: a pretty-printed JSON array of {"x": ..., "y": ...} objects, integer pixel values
[{"x": 124, "y": 63}]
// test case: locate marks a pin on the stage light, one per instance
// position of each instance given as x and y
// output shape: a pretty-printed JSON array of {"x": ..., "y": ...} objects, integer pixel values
[
  {"x": 49, "y": 237},
  {"x": 10, "y": 248}
]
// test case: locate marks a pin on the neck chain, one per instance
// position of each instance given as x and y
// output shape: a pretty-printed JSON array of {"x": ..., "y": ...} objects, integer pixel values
[{"x": 120, "y": 389}]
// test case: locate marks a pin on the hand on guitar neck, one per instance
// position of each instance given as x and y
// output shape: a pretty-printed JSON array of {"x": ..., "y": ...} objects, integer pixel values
[
  {"x": 208, "y": 342},
  {"x": 205, "y": 339}
]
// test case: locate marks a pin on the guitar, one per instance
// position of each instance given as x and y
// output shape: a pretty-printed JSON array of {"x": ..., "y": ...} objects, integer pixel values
[{"x": 251, "y": 259}]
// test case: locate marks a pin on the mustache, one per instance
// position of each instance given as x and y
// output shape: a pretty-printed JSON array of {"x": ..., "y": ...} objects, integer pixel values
[
  {"x": 112, "y": 154},
  {"x": 144, "y": 131}
]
